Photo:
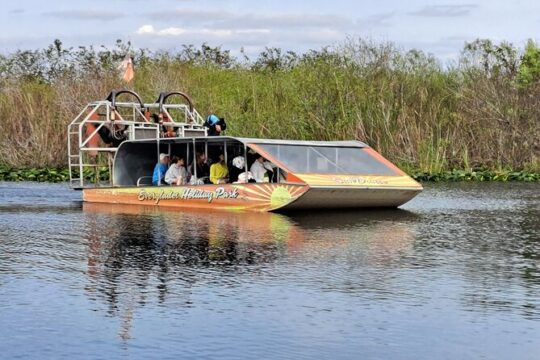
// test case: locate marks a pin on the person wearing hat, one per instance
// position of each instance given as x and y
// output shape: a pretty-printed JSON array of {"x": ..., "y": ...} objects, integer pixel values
[
  {"x": 238, "y": 167},
  {"x": 160, "y": 170},
  {"x": 238, "y": 173},
  {"x": 215, "y": 125}
]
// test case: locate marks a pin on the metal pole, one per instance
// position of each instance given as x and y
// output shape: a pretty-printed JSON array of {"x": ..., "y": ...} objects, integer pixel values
[
  {"x": 246, "y": 162},
  {"x": 187, "y": 152},
  {"x": 194, "y": 160},
  {"x": 157, "y": 144},
  {"x": 111, "y": 169}
]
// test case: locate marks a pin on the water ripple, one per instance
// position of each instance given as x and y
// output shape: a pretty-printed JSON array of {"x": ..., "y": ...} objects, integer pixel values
[{"x": 461, "y": 261}]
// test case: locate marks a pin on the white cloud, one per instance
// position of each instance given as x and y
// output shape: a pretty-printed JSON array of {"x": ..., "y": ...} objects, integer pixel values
[
  {"x": 215, "y": 33},
  {"x": 224, "y": 19},
  {"x": 171, "y": 31},
  {"x": 146, "y": 29}
]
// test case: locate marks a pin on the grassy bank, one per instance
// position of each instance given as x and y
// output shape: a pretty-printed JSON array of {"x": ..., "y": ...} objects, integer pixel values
[
  {"x": 481, "y": 113},
  {"x": 60, "y": 175}
]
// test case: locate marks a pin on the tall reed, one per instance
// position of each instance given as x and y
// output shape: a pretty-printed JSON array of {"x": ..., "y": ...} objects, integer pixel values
[{"x": 422, "y": 115}]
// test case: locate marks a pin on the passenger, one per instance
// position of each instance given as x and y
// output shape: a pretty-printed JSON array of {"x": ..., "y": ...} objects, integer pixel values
[
  {"x": 238, "y": 167},
  {"x": 203, "y": 170},
  {"x": 165, "y": 131},
  {"x": 156, "y": 118},
  {"x": 160, "y": 170},
  {"x": 260, "y": 169},
  {"x": 219, "y": 173},
  {"x": 215, "y": 125},
  {"x": 238, "y": 173},
  {"x": 245, "y": 177},
  {"x": 177, "y": 174}
]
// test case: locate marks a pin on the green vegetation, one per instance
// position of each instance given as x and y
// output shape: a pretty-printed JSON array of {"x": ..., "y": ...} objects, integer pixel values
[
  {"x": 48, "y": 174},
  {"x": 479, "y": 175},
  {"x": 483, "y": 112},
  {"x": 60, "y": 175},
  {"x": 529, "y": 70}
]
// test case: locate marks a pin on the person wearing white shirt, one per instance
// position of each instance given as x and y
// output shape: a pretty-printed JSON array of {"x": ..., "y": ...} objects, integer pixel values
[
  {"x": 177, "y": 174},
  {"x": 259, "y": 168}
]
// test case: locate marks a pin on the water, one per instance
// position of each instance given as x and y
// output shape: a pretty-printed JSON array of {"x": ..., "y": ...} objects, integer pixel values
[{"x": 454, "y": 275}]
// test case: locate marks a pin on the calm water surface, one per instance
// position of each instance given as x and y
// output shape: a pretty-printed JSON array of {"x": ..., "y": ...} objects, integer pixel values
[{"x": 454, "y": 275}]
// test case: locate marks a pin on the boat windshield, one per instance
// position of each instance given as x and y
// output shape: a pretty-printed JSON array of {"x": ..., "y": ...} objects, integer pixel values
[{"x": 328, "y": 160}]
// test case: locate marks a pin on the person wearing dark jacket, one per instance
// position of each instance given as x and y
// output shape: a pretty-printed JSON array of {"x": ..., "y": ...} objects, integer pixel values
[
  {"x": 203, "y": 169},
  {"x": 215, "y": 125}
]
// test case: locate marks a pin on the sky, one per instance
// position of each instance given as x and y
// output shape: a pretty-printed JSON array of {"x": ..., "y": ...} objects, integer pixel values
[{"x": 437, "y": 27}]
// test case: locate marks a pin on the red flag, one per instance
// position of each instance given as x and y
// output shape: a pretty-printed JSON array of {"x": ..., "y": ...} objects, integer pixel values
[{"x": 126, "y": 68}]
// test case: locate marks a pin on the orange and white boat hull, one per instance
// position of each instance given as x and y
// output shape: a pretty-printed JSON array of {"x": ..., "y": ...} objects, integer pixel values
[{"x": 321, "y": 192}]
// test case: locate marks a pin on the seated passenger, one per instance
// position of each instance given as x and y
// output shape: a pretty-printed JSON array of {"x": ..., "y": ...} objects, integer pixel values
[
  {"x": 202, "y": 170},
  {"x": 177, "y": 174},
  {"x": 260, "y": 169},
  {"x": 160, "y": 169},
  {"x": 238, "y": 167},
  {"x": 245, "y": 177},
  {"x": 219, "y": 173},
  {"x": 238, "y": 173}
]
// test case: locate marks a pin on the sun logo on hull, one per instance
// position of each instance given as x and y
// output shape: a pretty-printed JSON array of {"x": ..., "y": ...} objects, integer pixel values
[{"x": 280, "y": 196}]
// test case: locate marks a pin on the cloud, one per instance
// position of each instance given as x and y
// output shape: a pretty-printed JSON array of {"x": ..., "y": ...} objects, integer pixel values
[
  {"x": 86, "y": 15},
  {"x": 252, "y": 40},
  {"x": 146, "y": 30},
  {"x": 216, "y": 33},
  {"x": 300, "y": 32},
  {"x": 377, "y": 20},
  {"x": 224, "y": 19},
  {"x": 290, "y": 21},
  {"x": 190, "y": 15},
  {"x": 17, "y": 11},
  {"x": 444, "y": 10}
]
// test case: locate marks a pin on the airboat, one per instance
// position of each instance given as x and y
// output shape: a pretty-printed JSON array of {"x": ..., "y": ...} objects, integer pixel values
[{"x": 113, "y": 147}]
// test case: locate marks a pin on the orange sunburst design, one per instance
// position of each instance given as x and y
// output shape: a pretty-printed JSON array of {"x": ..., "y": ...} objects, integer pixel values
[
  {"x": 296, "y": 191},
  {"x": 271, "y": 196},
  {"x": 259, "y": 189},
  {"x": 259, "y": 197},
  {"x": 259, "y": 193}
]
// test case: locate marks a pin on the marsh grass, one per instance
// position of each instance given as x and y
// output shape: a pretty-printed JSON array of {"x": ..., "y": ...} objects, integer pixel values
[
  {"x": 426, "y": 118},
  {"x": 102, "y": 174}
]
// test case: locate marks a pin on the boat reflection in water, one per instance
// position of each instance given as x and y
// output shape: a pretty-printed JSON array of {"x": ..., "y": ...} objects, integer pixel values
[{"x": 139, "y": 255}]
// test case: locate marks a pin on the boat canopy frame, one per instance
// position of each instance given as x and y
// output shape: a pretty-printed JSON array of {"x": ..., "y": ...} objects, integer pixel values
[{"x": 133, "y": 170}]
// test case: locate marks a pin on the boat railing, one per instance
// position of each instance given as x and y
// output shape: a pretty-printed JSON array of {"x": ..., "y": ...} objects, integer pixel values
[
  {"x": 96, "y": 132},
  {"x": 144, "y": 180}
]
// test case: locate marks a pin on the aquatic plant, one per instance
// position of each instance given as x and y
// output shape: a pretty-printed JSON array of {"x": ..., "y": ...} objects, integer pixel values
[
  {"x": 62, "y": 174},
  {"x": 478, "y": 175},
  {"x": 49, "y": 174},
  {"x": 426, "y": 117}
]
